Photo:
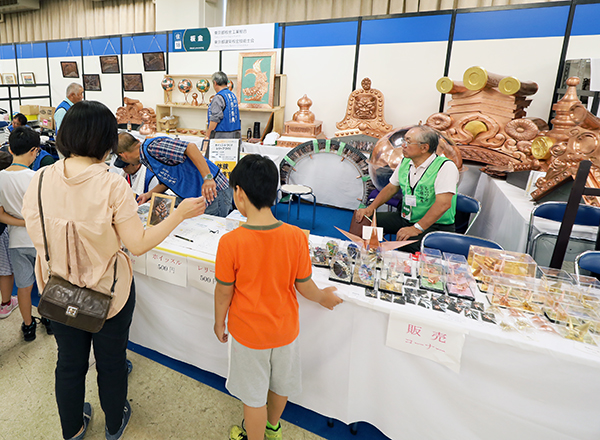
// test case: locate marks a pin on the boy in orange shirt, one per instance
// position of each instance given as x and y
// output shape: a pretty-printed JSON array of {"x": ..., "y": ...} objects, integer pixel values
[{"x": 259, "y": 266}]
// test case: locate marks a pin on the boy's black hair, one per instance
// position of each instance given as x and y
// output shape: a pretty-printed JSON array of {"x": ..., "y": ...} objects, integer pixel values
[
  {"x": 88, "y": 129},
  {"x": 21, "y": 118},
  {"x": 257, "y": 176},
  {"x": 22, "y": 140}
]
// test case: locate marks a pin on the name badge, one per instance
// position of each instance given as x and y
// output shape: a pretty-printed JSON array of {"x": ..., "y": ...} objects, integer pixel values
[{"x": 410, "y": 200}]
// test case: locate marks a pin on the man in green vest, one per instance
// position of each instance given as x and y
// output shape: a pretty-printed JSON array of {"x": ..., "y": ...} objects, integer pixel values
[{"x": 428, "y": 184}]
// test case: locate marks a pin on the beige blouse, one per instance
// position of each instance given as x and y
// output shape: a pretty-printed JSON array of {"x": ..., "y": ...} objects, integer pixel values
[{"x": 80, "y": 213}]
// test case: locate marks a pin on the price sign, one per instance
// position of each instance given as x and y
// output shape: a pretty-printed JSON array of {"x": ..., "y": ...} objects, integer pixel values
[
  {"x": 439, "y": 341},
  {"x": 224, "y": 153},
  {"x": 167, "y": 267},
  {"x": 201, "y": 275}
]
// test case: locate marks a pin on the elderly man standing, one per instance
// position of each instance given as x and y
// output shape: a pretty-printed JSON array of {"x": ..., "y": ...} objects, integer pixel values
[
  {"x": 428, "y": 183},
  {"x": 223, "y": 111},
  {"x": 74, "y": 95}
]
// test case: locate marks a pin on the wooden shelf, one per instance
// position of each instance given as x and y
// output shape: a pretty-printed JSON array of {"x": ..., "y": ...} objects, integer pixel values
[{"x": 205, "y": 107}]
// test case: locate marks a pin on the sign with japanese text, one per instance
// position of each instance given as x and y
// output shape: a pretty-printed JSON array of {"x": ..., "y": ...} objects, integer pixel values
[
  {"x": 438, "y": 341},
  {"x": 167, "y": 267},
  {"x": 224, "y": 153},
  {"x": 201, "y": 275},
  {"x": 247, "y": 37}
]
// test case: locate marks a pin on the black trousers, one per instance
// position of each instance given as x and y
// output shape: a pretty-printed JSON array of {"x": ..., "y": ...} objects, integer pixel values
[
  {"x": 110, "y": 345},
  {"x": 391, "y": 222}
]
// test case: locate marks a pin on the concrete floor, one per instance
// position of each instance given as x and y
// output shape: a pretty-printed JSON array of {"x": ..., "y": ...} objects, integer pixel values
[{"x": 165, "y": 404}]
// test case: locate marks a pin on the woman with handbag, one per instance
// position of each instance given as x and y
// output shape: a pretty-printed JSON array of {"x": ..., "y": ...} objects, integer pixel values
[{"x": 77, "y": 214}]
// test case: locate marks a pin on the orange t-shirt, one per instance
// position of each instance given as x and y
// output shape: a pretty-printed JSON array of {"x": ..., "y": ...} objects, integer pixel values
[{"x": 263, "y": 263}]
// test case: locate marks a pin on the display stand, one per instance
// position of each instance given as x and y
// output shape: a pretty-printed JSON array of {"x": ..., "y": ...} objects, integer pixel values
[
  {"x": 20, "y": 98},
  {"x": 194, "y": 117}
]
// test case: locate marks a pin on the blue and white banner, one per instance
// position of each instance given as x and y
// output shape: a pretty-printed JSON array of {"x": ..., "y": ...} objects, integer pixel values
[{"x": 248, "y": 37}]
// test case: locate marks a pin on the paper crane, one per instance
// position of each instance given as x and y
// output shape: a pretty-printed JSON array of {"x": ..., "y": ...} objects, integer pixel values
[{"x": 373, "y": 242}]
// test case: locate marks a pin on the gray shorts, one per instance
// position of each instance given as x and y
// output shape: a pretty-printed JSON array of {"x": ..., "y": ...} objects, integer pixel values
[
  {"x": 23, "y": 262},
  {"x": 252, "y": 373},
  {"x": 5, "y": 266}
]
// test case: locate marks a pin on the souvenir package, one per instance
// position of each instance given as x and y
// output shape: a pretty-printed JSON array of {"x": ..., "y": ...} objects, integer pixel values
[
  {"x": 364, "y": 270},
  {"x": 333, "y": 246},
  {"x": 392, "y": 273},
  {"x": 410, "y": 282},
  {"x": 425, "y": 302},
  {"x": 456, "y": 263},
  {"x": 399, "y": 299},
  {"x": 408, "y": 263},
  {"x": 370, "y": 293},
  {"x": 472, "y": 313},
  {"x": 488, "y": 317},
  {"x": 514, "y": 263},
  {"x": 488, "y": 277},
  {"x": 319, "y": 256},
  {"x": 431, "y": 273},
  {"x": 430, "y": 255},
  {"x": 519, "y": 294},
  {"x": 581, "y": 325},
  {"x": 341, "y": 268},
  {"x": 554, "y": 280},
  {"x": 589, "y": 291},
  {"x": 386, "y": 296},
  {"x": 438, "y": 306},
  {"x": 460, "y": 285}
]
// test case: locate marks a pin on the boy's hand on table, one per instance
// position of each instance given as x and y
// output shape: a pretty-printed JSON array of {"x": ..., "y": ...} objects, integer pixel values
[
  {"x": 221, "y": 332},
  {"x": 330, "y": 299}
]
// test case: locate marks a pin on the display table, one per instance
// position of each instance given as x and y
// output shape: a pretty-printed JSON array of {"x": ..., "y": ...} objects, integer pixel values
[{"x": 523, "y": 386}]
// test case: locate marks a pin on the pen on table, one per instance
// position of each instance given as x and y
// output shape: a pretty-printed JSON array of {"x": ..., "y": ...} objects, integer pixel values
[{"x": 183, "y": 238}]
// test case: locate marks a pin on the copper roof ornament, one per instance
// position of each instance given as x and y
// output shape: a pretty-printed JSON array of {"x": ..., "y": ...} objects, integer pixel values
[
  {"x": 486, "y": 119},
  {"x": 303, "y": 123},
  {"x": 364, "y": 113},
  {"x": 575, "y": 136}
]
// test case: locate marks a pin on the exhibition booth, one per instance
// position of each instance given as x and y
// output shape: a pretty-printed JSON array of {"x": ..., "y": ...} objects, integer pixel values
[{"x": 510, "y": 364}]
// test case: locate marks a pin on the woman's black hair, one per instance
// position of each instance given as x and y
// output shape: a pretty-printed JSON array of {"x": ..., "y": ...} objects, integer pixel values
[{"x": 88, "y": 129}]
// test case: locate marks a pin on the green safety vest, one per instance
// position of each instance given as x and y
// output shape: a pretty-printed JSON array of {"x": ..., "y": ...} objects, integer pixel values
[{"x": 424, "y": 191}]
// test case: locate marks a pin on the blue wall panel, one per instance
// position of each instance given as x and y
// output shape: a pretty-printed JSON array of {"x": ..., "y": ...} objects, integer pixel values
[
  {"x": 586, "y": 20},
  {"x": 71, "y": 48},
  {"x": 102, "y": 46},
  {"x": 515, "y": 23},
  {"x": 31, "y": 50},
  {"x": 7, "y": 52},
  {"x": 321, "y": 34},
  {"x": 406, "y": 29},
  {"x": 144, "y": 43}
]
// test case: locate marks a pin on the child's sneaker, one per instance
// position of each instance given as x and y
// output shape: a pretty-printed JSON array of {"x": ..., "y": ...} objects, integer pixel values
[
  {"x": 273, "y": 434},
  {"x": 29, "y": 330},
  {"x": 238, "y": 433},
  {"x": 46, "y": 323},
  {"x": 6, "y": 310}
]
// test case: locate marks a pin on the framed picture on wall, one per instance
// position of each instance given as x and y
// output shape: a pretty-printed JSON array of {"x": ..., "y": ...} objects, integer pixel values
[
  {"x": 132, "y": 82},
  {"x": 154, "y": 61},
  {"x": 69, "y": 69},
  {"x": 27, "y": 78},
  {"x": 9, "y": 78},
  {"x": 256, "y": 79},
  {"x": 110, "y": 64},
  {"x": 91, "y": 83}
]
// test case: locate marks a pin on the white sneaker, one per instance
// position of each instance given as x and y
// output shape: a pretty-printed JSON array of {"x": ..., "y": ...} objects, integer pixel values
[{"x": 6, "y": 310}]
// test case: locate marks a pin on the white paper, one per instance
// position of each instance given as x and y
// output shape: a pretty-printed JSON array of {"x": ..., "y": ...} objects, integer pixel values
[
  {"x": 428, "y": 338},
  {"x": 368, "y": 231},
  {"x": 533, "y": 177},
  {"x": 167, "y": 267},
  {"x": 201, "y": 275}
]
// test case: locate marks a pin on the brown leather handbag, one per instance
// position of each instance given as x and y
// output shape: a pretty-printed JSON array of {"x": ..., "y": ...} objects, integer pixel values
[{"x": 67, "y": 303}]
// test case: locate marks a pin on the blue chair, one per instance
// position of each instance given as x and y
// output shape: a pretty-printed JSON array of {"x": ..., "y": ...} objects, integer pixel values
[
  {"x": 454, "y": 243},
  {"x": 465, "y": 207},
  {"x": 587, "y": 215},
  {"x": 588, "y": 260}
]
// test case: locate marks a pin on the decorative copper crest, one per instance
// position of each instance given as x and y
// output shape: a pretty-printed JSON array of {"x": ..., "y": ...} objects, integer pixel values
[
  {"x": 486, "y": 119},
  {"x": 575, "y": 136},
  {"x": 364, "y": 113}
]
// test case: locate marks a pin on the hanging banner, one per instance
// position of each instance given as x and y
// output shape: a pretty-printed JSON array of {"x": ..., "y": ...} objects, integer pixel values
[{"x": 248, "y": 37}]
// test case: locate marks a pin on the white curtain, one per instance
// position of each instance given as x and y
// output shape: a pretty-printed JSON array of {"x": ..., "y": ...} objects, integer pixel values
[
  {"x": 57, "y": 19},
  {"x": 279, "y": 11}
]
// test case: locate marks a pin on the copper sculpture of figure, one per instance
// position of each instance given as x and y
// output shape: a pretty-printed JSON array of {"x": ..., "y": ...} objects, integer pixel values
[
  {"x": 132, "y": 112},
  {"x": 261, "y": 84},
  {"x": 364, "y": 113},
  {"x": 486, "y": 119}
]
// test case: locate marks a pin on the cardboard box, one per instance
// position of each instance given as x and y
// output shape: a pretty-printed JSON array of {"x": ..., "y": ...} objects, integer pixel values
[
  {"x": 46, "y": 117},
  {"x": 29, "y": 109}
]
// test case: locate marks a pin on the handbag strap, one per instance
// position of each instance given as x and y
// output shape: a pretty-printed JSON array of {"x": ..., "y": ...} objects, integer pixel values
[{"x": 47, "y": 255}]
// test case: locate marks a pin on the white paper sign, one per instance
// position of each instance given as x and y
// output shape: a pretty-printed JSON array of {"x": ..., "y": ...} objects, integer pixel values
[
  {"x": 167, "y": 267},
  {"x": 138, "y": 264},
  {"x": 368, "y": 231},
  {"x": 243, "y": 37},
  {"x": 533, "y": 177},
  {"x": 201, "y": 275},
  {"x": 440, "y": 342}
]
